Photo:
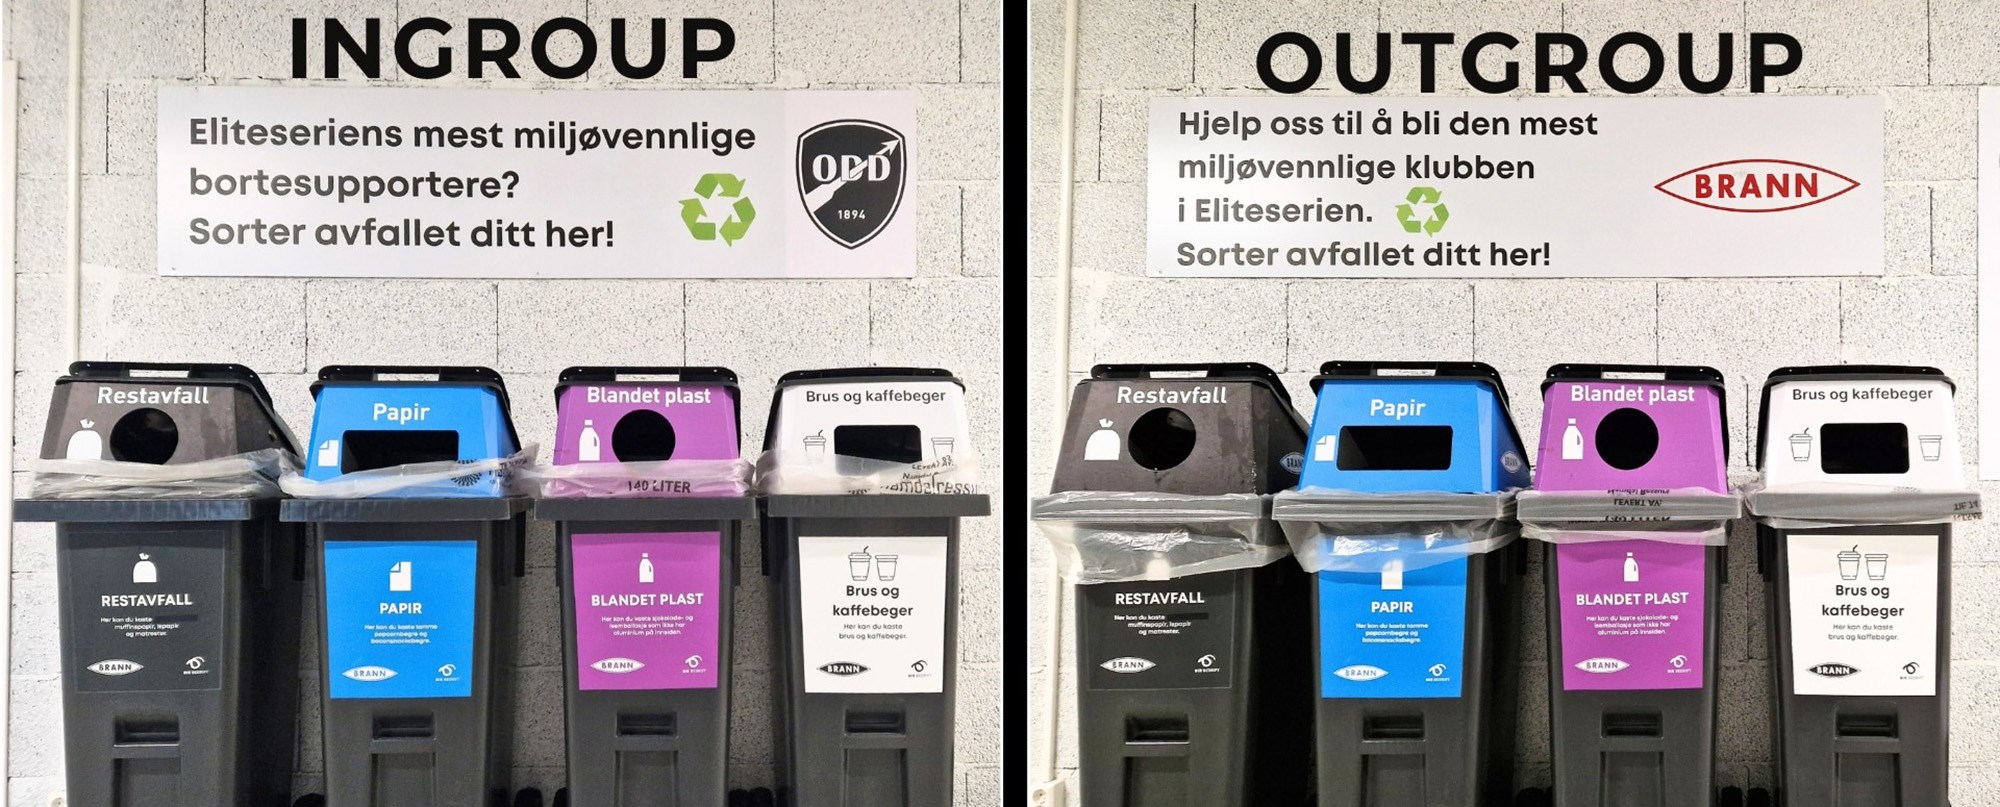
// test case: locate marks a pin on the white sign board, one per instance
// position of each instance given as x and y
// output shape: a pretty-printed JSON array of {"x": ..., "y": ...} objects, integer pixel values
[
  {"x": 871, "y": 613},
  {"x": 412, "y": 182},
  {"x": 1864, "y": 614},
  {"x": 1514, "y": 187},
  {"x": 1989, "y": 281}
]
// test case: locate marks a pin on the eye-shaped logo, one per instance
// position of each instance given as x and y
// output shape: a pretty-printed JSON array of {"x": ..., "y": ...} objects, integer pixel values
[
  {"x": 1910, "y": 668},
  {"x": 1206, "y": 661},
  {"x": 115, "y": 666},
  {"x": 616, "y": 666},
  {"x": 842, "y": 668},
  {"x": 1360, "y": 672},
  {"x": 1756, "y": 186},
  {"x": 369, "y": 673},
  {"x": 1678, "y": 661},
  {"x": 1437, "y": 670},
  {"x": 1602, "y": 665},
  {"x": 1128, "y": 664},
  {"x": 1832, "y": 670}
]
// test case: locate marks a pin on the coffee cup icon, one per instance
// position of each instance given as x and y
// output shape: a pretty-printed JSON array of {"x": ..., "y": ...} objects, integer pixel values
[
  {"x": 815, "y": 447},
  {"x": 1850, "y": 564},
  {"x": 1801, "y": 446},
  {"x": 857, "y": 564},
  {"x": 1878, "y": 567},
  {"x": 1932, "y": 446},
  {"x": 885, "y": 568},
  {"x": 941, "y": 446}
]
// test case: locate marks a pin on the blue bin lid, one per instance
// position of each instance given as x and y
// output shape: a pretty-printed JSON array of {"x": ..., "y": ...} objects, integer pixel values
[
  {"x": 367, "y": 417},
  {"x": 1412, "y": 426}
]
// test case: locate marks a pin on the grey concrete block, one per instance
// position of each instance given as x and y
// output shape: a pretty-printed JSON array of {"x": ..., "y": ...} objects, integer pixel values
[
  {"x": 142, "y": 38},
  {"x": 35, "y": 614},
  {"x": 33, "y": 791},
  {"x": 752, "y": 61},
  {"x": 34, "y": 544},
  {"x": 1376, "y": 319},
  {"x": 1122, "y": 127},
  {"x": 538, "y": 628},
  {"x": 980, "y": 726},
  {"x": 32, "y": 393},
  {"x": 1045, "y": 135},
  {"x": 1961, "y": 33},
  {"x": 34, "y": 705},
  {"x": 254, "y": 40},
  {"x": 1975, "y": 617},
  {"x": 1906, "y": 230},
  {"x": 42, "y": 139},
  {"x": 41, "y": 225},
  {"x": 980, "y": 636},
  {"x": 1975, "y": 697},
  {"x": 547, "y": 326},
  {"x": 1954, "y": 228},
  {"x": 1227, "y": 37},
  {"x": 979, "y": 543},
  {"x": 751, "y": 645},
  {"x": 41, "y": 308},
  {"x": 1930, "y": 133},
  {"x": 1109, "y": 230},
  {"x": 427, "y": 322},
  {"x": 982, "y": 229},
  {"x": 118, "y": 225},
  {"x": 750, "y": 775},
  {"x": 750, "y": 717},
  {"x": 865, "y": 42},
  {"x": 957, "y": 132},
  {"x": 538, "y": 717},
  {"x": 1139, "y": 320},
  {"x": 1134, "y": 44},
  {"x": 1880, "y": 43},
  {"x": 981, "y": 55},
  {"x": 928, "y": 323},
  {"x": 311, "y": 757},
  {"x": 1531, "y": 733},
  {"x": 1746, "y": 328},
  {"x": 1742, "y": 598},
  {"x": 1537, "y": 323},
  {"x": 939, "y": 238},
  {"x": 792, "y": 325},
  {"x": 137, "y": 316},
  {"x": 1743, "y": 731},
  {"x": 541, "y": 545},
  {"x": 1926, "y": 321},
  {"x": 978, "y": 785}
]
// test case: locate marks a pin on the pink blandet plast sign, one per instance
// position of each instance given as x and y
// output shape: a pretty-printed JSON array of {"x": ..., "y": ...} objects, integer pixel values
[
  {"x": 647, "y": 609},
  {"x": 1631, "y": 612},
  {"x": 643, "y": 422}
]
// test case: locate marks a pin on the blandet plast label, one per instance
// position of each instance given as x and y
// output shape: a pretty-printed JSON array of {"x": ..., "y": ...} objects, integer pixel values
[
  {"x": 872, "y": 613},
  {"x": 1864, "y": 614},
  {"x": 399, "y": 618},
  {"x": 1631, "y": 614},
  {"x": 1395, "y": 634},
  {"x": 647, "y": 613}
]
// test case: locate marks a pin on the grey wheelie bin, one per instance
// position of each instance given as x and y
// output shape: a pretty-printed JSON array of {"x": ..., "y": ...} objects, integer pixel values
[
  {"x": 865, "y": 477},
  {"x": 1194, "y": 684},
  {"x": 420, "y": 550},
  {"x": 1632, "y": 497},
  {"x": 1402, "y": 516},
  {"x": 1862, "y": 481},
  {"x": 648, "y": 492},
  {"x": 179, "y": 591}
]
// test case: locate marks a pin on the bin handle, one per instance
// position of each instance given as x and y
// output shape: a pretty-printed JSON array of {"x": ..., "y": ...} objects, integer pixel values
[
  {"x": 606, "y": 375},
  {"x": 148, "y": 370},
  {"x": 374, "y": 372}
]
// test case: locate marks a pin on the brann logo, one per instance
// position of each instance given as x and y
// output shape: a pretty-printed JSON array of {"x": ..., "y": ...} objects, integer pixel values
[
  {"x": 1756, "y": 186},
  {"x": 1832, "y": 670}
]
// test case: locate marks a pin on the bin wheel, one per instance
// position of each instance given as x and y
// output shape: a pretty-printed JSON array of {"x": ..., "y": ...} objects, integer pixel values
[
  {"x": 1532, "y": 797},
  {"x": 529, "y": 797},
  {"x": 1759, "y": 797},
  {"x": 310, "y": 800},
  {"x": 762, "y": 797},
  {"x": 1731, "y": 796},
  {"x": 562, "y": 798}
]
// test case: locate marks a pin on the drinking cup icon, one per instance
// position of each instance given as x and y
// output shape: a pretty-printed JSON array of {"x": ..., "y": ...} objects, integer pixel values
[
  {"x": 1850, "y": 564},
  {"x": 815, "y": 447},
  {"x": 1878, "y": 567},
  {"x": 1932, "y": 445},
  {"x": 1801, "y": 447},
  {"x": 857, "y": 565},
  {"x": 885, "y": 567},
  {"x": 941, "y": 446}
]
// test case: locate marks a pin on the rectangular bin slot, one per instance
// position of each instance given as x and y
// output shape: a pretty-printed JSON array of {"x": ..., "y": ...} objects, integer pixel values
[
  {"x": 1865, "y": 448},
  {"x": 1866, "y": 780},
  {"x": 886, "y": 443},
  {"x": 1393, "y": 780},
  {"x": 1156, "y": 729},
  {"x": 404, "y": 780},
  {"x": 1408, "y": 726},
  {"x": 874, "y": 721},
  {"x": 646, "y": 779},
  {"x": 403, "y": 727},
  {"x": 1394, "y": 448},
  {"x": 875, "y": 778},
  {"x": 1631, "y": 724},
  {"x": 1156, "y": 782},
  {"x": 150, "y": 730},
  {"x": 646, "y": 725},
  {"x": 1633, "y": 779},
  {"x": 1871, "y": 726},
  {"x": 369, "y": 450},
  {"x": 148, "y": 782}
]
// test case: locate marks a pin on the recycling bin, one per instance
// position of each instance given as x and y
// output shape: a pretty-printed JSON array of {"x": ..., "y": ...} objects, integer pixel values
[
  {"x": 1191, "y": 646},
  {"x": 1632, "y": 495},
  {"x": 1401, "y": 516},
  {"x": 865, "y": 477},
  {"x": 1862, "y": 479},
  {"x": 178, "y": 610},
  {"x": 646, "y": 547},
  {"x": 418, "y": 582}
]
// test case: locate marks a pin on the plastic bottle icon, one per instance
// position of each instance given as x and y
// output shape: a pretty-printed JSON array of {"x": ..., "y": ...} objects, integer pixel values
[
  {"x": 144, "y": 571},
  {"x": 1572, "y": 441},
  {"x": 588, "y": 447},
  {"x": 1103, "y": 444},
  {"x": 85, "y": 444},
  {"x": 645, "y": 567},
  {"x": 1631, "y": 568}
]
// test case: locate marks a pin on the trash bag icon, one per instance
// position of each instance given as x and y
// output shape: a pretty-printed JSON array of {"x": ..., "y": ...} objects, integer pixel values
[{"x": 1103, "y": 444}]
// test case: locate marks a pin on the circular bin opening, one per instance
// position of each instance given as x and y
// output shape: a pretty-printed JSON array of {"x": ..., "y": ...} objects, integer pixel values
[
  {"x": 145, "y": 435},
  {"x": 643, "y": 435},
  {"x": 1627, "y": 439},
  {"x": 1162, "y": 438}
]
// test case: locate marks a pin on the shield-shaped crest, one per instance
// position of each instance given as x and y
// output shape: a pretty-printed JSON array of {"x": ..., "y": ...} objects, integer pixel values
[{"x": 851, "y": 175}]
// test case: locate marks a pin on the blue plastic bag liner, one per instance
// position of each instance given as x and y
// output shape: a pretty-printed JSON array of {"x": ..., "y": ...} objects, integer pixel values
[
  {"x": 1690, "y": 516},
  {"x": 252, "y": 474},
  {"x": 1370, "y": 532},
  {"x": 622, "y": 480},
  {"x": 399, "y": 618},
  {"x": 487, "y": 477},
  {"x": 804, "y": 472},
  {"x": 1127, "y": 536}
]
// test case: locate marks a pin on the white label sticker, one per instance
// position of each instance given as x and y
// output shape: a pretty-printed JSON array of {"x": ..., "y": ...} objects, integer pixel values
[
  {"x": 872, "y": 613},
  {"x": 1864, "y": 614}
]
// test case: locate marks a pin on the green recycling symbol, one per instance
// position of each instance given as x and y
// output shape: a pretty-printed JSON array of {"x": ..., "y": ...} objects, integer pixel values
[
  {"x": 1407, "y": 213},
  {"x": 694, "y": 211}
]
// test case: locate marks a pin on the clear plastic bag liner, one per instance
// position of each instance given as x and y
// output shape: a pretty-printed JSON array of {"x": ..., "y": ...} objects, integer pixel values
[
  {"x": 1124, "y": 536},
  {"x": 252, "y": 474},
  {"x": 1833, "y": 504},
  {"x": 640, "y": 480},
  {"x": 1353, "y": 531},
  {"x": 444, "y": 479},
  {"x": 1692, "y": 516},
  {"x": 808, "y": 473}
]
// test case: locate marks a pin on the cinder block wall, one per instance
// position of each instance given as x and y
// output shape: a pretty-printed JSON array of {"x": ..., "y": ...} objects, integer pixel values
[
  {"x": 1924, "y": 58},
  {"x": 949, "y": 316}
]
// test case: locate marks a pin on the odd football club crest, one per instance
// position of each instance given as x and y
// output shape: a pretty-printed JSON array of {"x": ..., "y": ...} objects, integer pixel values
[{"x": 851, "y": 176}]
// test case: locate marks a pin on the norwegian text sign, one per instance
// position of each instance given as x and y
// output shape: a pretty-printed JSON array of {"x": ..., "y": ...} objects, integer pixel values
[
  {"x": 1514, "y": 187},
  {"x": 412, "y": 182}
]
